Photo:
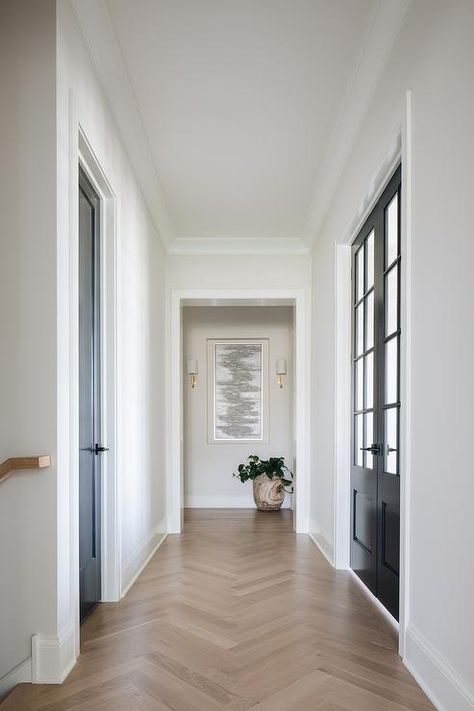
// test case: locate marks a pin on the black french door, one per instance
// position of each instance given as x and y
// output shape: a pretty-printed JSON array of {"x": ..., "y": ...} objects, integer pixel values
[
  {"x": 375, "y": 470},
  {"x": 89, "y": 399}
]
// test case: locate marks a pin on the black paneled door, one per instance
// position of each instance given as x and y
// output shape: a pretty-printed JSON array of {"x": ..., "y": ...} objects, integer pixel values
[
  {"x": 375, "y": 478},
  {"x": 89, "y": 398}
]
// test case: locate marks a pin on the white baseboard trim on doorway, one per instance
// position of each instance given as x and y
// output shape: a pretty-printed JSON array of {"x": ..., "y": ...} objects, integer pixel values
[
  {"x": 139, "y": 558},
  {"x": 375, "y": 601},
  {"x": 21, "y": 674},
  {"x": 439, "y": 681},
  {"x": 53, "y": 657},
  {"x": 319, "y": 537},
  {"x": 207, "y": 501}
]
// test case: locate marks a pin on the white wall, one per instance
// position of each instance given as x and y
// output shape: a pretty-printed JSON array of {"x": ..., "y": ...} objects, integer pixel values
[
  {"x": 48, "y": 86},
  {"x": 434, "y": 56},
  {"x": 140, "y": 299},
  {"x": 208, "y": 467},
  {"x": 28, "y": 323}
]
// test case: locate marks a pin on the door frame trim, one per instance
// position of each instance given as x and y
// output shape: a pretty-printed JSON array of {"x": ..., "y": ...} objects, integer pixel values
[
  {"x": 177, "y": 298},
  {"x": 398, "y": 149},
  {"x": 82, "y": 153}
]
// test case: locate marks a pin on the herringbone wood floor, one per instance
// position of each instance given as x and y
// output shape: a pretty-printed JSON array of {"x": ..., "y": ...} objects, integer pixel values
[{"x": 235, "y": 613}]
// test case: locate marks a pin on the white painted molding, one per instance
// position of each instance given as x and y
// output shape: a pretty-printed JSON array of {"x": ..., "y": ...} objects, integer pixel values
[
  {"x": 21, "y": 674},
  {"x": 321, "y": 540},
  {"x": 207, "y": 501},
  {"x": 53, "y": 657},
  {"x": 375, "y": 601},
  {"x": 99, "y": 34},
  {"x": 439, "y": 681},
  {"x": 381, "y": 36},
  {"x": 238, "y": 245},
  {"x": 138, "y": 559}
]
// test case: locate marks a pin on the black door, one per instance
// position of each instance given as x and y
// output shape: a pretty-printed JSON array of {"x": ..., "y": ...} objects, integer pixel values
[
  {"x": 375, "y": 479},
  {"x": 89, "y": 399}
]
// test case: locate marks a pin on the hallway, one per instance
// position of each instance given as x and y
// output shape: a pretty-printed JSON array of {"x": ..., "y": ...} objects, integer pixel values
[{"x": 235, "y": 613}]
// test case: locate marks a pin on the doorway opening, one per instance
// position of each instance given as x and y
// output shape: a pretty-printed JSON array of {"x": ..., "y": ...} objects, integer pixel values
[
  {"x": 182, "y": 299},
  {"x": 238, "y": 399}
]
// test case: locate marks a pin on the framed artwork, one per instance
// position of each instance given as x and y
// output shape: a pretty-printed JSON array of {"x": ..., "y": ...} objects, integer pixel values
[{"x": 238, "y": 390}]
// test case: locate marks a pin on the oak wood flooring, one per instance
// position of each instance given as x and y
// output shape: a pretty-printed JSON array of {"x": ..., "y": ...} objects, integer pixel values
[{"x": 236, "y": 613}]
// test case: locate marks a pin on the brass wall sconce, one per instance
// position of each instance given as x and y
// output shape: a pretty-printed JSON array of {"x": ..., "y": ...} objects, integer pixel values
[
  {"x": 281, "y": 371},
  {"x": 192, "y": 371}
]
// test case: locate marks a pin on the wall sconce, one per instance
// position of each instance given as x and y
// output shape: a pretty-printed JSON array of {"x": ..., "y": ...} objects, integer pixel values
[
  {"x": 192, "y": 371},
  {"x": 281, "y": 371}
]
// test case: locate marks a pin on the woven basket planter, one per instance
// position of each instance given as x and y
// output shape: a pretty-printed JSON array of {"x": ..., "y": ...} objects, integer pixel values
[{"x": 268, "y": 494}]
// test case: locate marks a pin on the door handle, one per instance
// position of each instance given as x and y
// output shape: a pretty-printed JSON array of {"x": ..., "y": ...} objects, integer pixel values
[
  {"x": 98, "y": 448},
  {"x": 373, "y": 449}
]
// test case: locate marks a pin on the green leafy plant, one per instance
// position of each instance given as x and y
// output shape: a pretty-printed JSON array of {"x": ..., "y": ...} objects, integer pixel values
[{"x": 273, "y": 467}]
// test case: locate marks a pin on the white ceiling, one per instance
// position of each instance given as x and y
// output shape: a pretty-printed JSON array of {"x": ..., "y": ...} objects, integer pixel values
[{"x": 239, "y": 100}]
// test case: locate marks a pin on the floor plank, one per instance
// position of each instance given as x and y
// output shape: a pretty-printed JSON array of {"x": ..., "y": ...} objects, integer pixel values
[{"x": 236, "y": 613}]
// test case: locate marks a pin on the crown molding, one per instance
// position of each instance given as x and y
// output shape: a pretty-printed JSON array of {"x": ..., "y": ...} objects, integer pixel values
[
  {"x": 238, "y": 245},
  {"x": 101, "y": 40},
  {"x": 382, "y": 33}
]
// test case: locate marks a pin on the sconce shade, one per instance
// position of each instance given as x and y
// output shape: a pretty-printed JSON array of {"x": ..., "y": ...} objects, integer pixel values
[
  {"x": 281, "y": 366},
  {"x": 192, "y": 366}
]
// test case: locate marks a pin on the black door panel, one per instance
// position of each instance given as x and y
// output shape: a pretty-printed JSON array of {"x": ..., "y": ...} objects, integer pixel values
[
  {"x": 375, "y": 480},
  {"x": 89, "y": 399}
]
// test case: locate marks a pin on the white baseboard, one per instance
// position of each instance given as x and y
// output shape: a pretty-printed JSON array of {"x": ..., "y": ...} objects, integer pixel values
[
  {"x": 53, "y": 657},
  {"x": 375, "y": 601},
  {"x": 320, "y": 538},
  {"x": 21, "y": 674},
  {"x": 439, "y": 681},
  {"x": 139, "y": 558},
  {"x": 207, "y": 501}
]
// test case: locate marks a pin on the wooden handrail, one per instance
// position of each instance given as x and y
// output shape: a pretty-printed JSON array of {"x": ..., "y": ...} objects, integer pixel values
[{"x": 9, "y": 466}]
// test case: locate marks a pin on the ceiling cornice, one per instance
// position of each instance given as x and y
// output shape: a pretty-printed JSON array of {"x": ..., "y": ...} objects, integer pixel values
[
  {"x": 99, "y": 34},
  {"x": 238, "y": 245},
  {"x": 384, "y": 27}
]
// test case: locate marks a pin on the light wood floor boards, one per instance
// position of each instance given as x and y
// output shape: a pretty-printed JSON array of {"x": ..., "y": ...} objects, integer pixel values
[{"x": 236, "y": 613}]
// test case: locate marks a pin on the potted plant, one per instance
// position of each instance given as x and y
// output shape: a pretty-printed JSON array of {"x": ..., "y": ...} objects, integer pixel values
[{"x": 270, "y": 478}]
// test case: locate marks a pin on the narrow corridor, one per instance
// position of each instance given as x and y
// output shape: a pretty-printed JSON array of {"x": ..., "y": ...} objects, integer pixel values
[{"x": 236, "y": 613}]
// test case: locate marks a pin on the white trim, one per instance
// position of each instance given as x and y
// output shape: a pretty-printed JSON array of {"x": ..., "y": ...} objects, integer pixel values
[
  {"x": 439, "y": 681},
  {"x": 110, "y": 518},
  {"x": 237, "y": 245},
  {"x": 176, "y": 299},
  {"x": 321, "y": 540},
  {"x": 21, "y": 674},
  {"x": 382, "y": 33},
  {"x": 100, "y": 37},
  {"x": 397, "y": 148},
  {"x": 138, "y": 559},
  {"x": 53, "y": 657},
  {"x": 208, "y": 501},
  {"x": 375, "y": 601}
]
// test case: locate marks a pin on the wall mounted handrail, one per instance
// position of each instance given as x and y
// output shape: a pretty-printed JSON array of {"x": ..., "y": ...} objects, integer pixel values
[{"x": 10, "y": 466}]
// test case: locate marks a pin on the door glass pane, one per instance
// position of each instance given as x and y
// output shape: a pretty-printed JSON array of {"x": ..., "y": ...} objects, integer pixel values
[
  {"x": 369, "y": 321},
  {"x": 369, "y": 381},
  {"x": 358, "y": 441},
  {"x": 359, "y": 399},
  {"x": 360, "y": 273},
  {"x": 391, "y": 440},
  {"x": 391, "y": 231},
  {"x": 391, "y": 371},
  {"x": 369, "y": 440},
  {"x": 391, "y": 301},
  {"x": 369, "y": 248},
  {"x": 359, "y": 345}
]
